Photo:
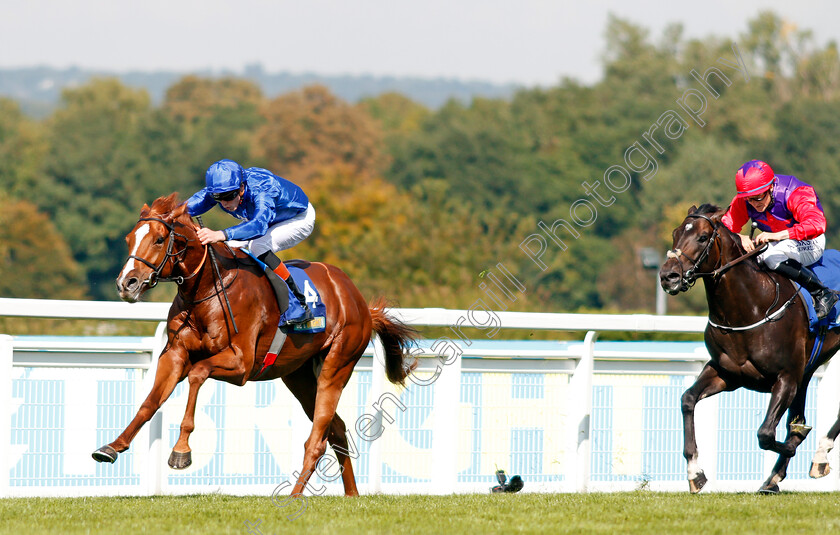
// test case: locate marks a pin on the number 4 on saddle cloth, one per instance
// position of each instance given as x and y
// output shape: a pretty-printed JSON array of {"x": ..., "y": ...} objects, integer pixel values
[{"x": 313, "y": 299}]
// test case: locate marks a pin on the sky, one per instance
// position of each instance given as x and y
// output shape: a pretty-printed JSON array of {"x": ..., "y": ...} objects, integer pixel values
[{"x": 524, "y": 42}]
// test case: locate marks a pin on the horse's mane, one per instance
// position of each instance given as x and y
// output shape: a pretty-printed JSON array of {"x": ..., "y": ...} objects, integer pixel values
[
  {"x": 163, "y": 206},
  {"x": 707, "y": 209}
]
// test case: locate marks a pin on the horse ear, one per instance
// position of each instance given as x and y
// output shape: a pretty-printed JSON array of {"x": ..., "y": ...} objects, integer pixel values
[
  {"x": 692, "y": 209},
  {"x": 179, "y": 210},
  {"x": 145, "y": 211}
]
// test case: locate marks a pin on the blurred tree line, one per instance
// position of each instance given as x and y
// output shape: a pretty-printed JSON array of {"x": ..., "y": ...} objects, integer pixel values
[{"x": 416, "y": 204}]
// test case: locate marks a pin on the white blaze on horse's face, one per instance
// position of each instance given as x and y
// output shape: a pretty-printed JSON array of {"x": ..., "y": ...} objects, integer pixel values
[
  {"x": 139, "y": 234},
  {"x": 689, "y": 226}
]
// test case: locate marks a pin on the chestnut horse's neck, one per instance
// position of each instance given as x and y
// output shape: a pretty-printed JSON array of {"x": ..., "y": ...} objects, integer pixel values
[
  {"x": 744, "y": 293},
  {"x": 195, "y": 267}
]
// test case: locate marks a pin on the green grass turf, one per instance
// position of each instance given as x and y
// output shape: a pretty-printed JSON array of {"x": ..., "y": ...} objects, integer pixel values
[{"x": 633, "y": 512}]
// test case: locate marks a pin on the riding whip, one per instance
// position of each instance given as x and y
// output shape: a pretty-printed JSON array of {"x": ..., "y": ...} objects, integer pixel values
[{"x": 219, "y": 276}]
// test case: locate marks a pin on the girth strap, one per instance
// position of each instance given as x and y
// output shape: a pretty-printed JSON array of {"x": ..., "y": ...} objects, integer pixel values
[{"x": 273, "y": 351}]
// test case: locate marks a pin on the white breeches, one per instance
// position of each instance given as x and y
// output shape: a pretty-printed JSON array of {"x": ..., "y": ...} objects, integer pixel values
[
  {"x": 283, "y": 235},
  {"x": 806, "y": 252}
]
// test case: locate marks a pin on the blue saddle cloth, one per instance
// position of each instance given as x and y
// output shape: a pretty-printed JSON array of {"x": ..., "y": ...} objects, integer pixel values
[
  {"x": 313, "y": 300},
  {"x": 828, "y": 271}
]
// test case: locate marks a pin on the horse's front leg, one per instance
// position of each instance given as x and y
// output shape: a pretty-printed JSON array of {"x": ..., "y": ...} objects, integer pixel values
[
  {"x": 225, "y": 366},
  {"x": 708, "y": 383},
  {"x": 171, "y": 369}
]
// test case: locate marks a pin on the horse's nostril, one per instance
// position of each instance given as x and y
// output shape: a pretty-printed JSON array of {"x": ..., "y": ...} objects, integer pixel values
[
  {"x": 131, "y": 283},
  {"x": 669, "y": 276}
]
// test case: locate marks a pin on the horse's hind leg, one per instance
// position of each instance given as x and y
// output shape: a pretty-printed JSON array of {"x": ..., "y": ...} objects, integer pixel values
[
  {"x": 708, "y": 383},
  {"x": 303, "y": 385},
  {"x": 797, "y": 431},
  {"x": 170, "y": 371},
  {"x": 781, "y": 397},
  {"x": 333, "y": 377},
  {"x": 819, "y": 466}
]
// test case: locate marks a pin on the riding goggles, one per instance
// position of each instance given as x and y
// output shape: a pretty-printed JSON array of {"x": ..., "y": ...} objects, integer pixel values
[{"x": 225, "y": 195}]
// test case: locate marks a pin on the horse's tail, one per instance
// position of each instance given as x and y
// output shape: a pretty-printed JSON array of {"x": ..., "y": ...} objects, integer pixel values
[{"x": 396, "y": 338}]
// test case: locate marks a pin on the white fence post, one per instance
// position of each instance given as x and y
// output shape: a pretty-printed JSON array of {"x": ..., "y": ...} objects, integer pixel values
[
  {"x": 578, "y": 450},
  {"x": 6, "y": 352},
  {"x": 445, "y": 429},
  {"x": 377, "y": 388},
  {"x": 828, "y": 400},
  {"x": 153, "y": 473}
]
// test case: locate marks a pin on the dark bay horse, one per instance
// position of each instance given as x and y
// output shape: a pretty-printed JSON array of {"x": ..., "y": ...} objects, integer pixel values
[
  {"x": 203, "y": 341},
  {"x": 758, "y": 336}
]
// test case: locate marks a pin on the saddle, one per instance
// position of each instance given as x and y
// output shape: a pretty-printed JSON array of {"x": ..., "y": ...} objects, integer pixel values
[{"x": 289, "y": 304}]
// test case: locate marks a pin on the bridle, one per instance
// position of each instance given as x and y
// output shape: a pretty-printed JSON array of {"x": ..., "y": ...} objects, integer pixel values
[
  {"x": 690, "y": 276},
  {"x": 178, "y": 256},
  {"x": 155, "y": 275}
]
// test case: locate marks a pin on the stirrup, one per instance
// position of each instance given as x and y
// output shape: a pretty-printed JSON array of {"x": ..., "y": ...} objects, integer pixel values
[
  {"x": 307, "y": 316},
  {"x": 824, "y": 304}
]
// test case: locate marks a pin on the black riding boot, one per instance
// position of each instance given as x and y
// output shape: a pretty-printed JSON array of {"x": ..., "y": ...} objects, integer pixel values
[
  {"x": 824, "y": 298},
  {"x": 307, "y": 313},
  {"x": 270, "y": 259}
]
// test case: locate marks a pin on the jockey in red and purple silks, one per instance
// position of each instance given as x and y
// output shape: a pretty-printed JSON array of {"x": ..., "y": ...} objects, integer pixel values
[{"x": 791, "y": 218}]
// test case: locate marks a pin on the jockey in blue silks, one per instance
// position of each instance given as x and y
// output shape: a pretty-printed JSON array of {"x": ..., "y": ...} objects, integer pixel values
[
  {"x": 792, "y": 221},
  {"x": 276, "y": 214}
]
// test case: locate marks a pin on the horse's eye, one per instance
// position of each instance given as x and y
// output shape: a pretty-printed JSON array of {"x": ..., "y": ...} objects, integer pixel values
[
  {"x": 703, "y": 238},
  {"x": 159, "y": 240}
]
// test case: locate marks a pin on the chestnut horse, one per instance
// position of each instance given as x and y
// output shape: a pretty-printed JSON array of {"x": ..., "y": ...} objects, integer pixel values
[
  {"x": 204, "y": 341},
  {"x": 758, "y": 335}
]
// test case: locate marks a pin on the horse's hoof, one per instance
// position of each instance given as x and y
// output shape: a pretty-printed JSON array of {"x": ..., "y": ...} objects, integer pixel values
[
  {"x": 819, "y": 470},
  {"x": 769, "y": 489},
  {"x": 105, "y": 454},
  {"x": 696, "y": 485},
  {"x": 179, "y": 461}
]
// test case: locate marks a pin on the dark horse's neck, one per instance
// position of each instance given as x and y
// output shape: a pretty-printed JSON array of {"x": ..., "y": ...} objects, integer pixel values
[{"x": 745, "y": 293}]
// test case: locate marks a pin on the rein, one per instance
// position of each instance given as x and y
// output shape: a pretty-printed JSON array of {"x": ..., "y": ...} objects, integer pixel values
[
  {"x": 216, "y": 287},
  {"x": 155, "y": 277},
  {"x": 690, "y": 276},
  {"x": 729, "y": 265},
  {"x": 221, "y": 282}
]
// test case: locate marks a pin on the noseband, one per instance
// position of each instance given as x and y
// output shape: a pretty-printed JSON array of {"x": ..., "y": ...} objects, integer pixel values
[
  {"x": 154, "y": 276},
  {"x": 690, "y": 276}
]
